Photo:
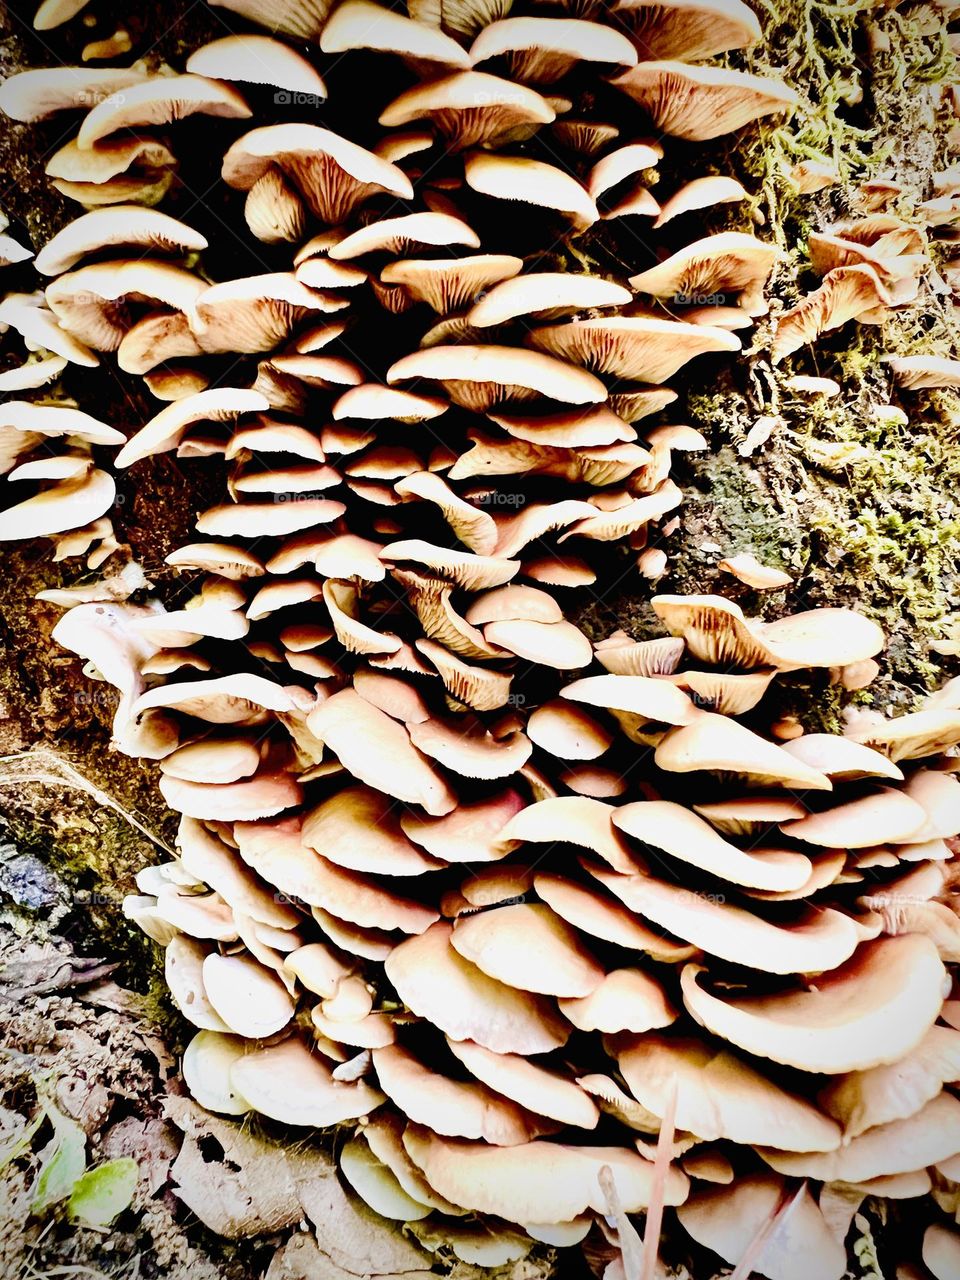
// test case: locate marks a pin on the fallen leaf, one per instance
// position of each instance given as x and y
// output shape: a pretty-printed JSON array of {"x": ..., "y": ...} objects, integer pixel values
[{"x": 102, "y": 1194}]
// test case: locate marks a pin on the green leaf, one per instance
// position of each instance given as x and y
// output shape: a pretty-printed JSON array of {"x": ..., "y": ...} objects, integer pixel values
[
  {"x": 62, "y": 1161},
  {"x": 104, "y": 1192}
]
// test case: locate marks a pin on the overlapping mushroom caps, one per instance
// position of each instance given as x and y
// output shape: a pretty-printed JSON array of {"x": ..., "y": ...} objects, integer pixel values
[{"x": 555, "y": 926}]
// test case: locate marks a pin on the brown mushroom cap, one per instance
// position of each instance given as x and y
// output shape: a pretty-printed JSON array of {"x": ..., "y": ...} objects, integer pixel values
[
  {"x": 447, "y": 284},
  {"x": 716, "y": 631},
  {"x": 435, "y": 982},
  {"x": 626, "y": 1000},
  {"x": 378, "y": 751},
  {"x": 470, "y": 833},
  {"x": 847, "y": 293},
  {"x": 537, "y": 1182},
  {"x": 601, "y": 916},
  {"x": 505, "y": 177},
  {"x": 358, "y": 828},
  {"x": 538, "y": 1089},
  {"x": 874, "y": 1009},
  {"x": 879, "y": 816},
  {"x": 699, "y": 103}
]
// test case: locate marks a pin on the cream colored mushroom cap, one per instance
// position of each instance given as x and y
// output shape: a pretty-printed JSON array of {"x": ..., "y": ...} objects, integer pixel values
[
  {"x": 873, "y": 1010},
  {"x": 437, "y": 983},
  {"x": 543, "y": 1182}
]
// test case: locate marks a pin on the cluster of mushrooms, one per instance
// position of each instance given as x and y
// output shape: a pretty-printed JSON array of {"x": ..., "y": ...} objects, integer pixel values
[{"x": 555, "y": 930}]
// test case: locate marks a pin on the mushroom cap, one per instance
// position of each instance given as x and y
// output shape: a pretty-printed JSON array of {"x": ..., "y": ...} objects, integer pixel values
[
  {"x": 716, "y": 631},
  {"x": 540, "y": 1090},
  {"x": 688, "y": 29},
  {"x": 644, "y": 697},
  {"x": 909, "y": 737},
  {"x": 553, "y": 292},
  {"x": 568, "y": 732},
  {"x": 183, "y": 972},
  {"x": 847, "y": 293},
  {"x": 699, "y": 103},
  {"x": 37, "y": 94},
  {"x": 454, "y": 1108},
  {"x": 257, "y": 60},
  {"x": 207, "y": 1063},
  {"x": 471, "y": 752},
  {"x": 331, "y": 172},
  {"x": 70, "y": 504},
  {"x": 360, "y": 24},
  {"x": 672, "y": 829},
  {"x": 94, "y": 302},
  {"x": 903, "y": 1146},
  {"x": 876, "y": 818},
  {"x": 701, "y": 193},
  {"x": 626, "y": 1000},
  {"x": 718, "y": 744},
  {"x": 289, "y": 1083},
  {"x": 167, "y": 429},
  {"x": 358, "y": 828},
  {"x": 116, "y": 225},
  {"x": 640, "y": 348},
  {"x": 250, "y": 999},
  {"x": 595, "y": 913},
  {"x": 376, "y": 1185},
  {"x": 719, "y": 1095},
  {"x": 728, "y": 262},
  {"x": 577, "y": 820},
  {"x": 729, "y": 1219},
  {"x": 397, "y": 235},
  {"x": 277, "y": 853},
  {"x": 530, "y": 947},
  {"x": 378, "y": 751},
  {"x": 213, "y": 760},
  {"x": 543, "y": 49},
  {"x": 941, "y": 1251},
  {"x": 480, "y": 376},
  {"x": 435, "y": 982},
  {"x": 540, "y": 1182},
  {"x": 863, "y": 1099},
  {"x": 875, "y": 1009},
  {"x": 471, "y": 107},
  {"x": 447, "y": 284},
  {"x": 841, "y": 759},
  {"x": 532, "y": 182},
  {"x": 560, "y": 645},
  {"x": 814, "y": 942},
  {"x": 160, "y": 100},
  {"x": 470, "y": 833},
  {"x": 749, "y": 814}
]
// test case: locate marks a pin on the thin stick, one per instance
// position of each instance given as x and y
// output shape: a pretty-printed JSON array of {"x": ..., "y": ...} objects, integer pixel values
[
  {"x": 661, "y": 1170},
  {"x": 775, "y": 1218}
]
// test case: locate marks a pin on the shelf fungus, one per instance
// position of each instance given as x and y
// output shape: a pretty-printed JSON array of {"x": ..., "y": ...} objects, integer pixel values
[{"x": 557, "y": 927}]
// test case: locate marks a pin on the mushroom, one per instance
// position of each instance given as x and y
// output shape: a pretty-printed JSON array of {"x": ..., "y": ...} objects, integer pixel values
[
  {"x": 332, "y": 174},
  {"x": 700, "y": 103},
  {"x": 472, "y": 108},
  {"x": 257, "y": 60},
  {"x": 159, "y": 100},
  {"x": 544, "y": 50}
]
